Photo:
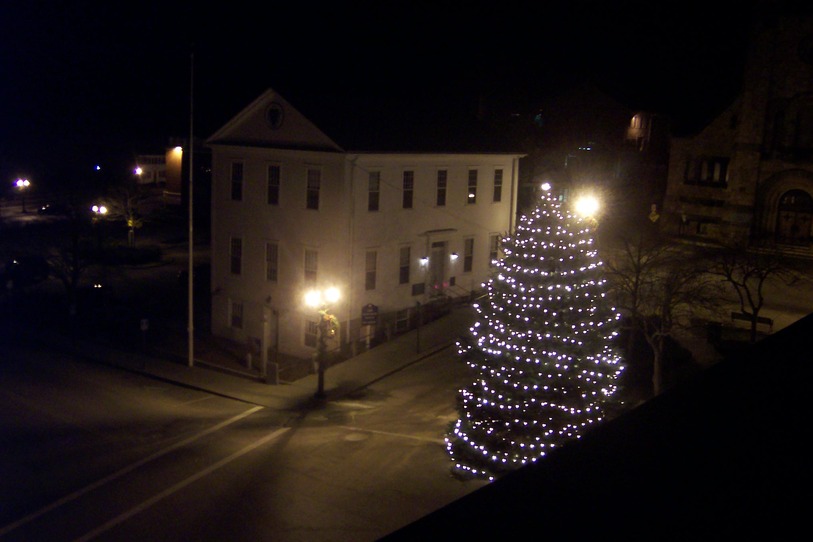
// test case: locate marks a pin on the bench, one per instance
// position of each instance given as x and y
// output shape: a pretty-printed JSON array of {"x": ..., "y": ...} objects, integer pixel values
[{"x": 742, "y": 317}]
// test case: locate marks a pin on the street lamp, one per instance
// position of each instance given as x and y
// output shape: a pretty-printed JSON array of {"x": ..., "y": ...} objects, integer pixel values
[
  {"x": 22, "y": 186},
  {"x": 98, "y": 214},
  {"x": 326, "y": 328},
  {"x": 587, "y": 207}
]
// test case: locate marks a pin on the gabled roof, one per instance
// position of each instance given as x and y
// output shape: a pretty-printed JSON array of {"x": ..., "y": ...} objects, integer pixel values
[{"x": 270, "y": 121}]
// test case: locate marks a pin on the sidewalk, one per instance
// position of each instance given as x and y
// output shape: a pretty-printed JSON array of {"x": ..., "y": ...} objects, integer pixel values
[{"x": 340, "y": 380}]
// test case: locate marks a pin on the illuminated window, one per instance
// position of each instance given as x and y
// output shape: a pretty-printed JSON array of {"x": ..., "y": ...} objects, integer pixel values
[
  {"x": 314, "y": 186},
  {"x": 471, "y": 196},
  {"x": 237, "y": 181},
  {"x": 409, "y": 186},
  {"x": 373, "y": 190},
  {"x": 441, "y": 190},
  {"x": 236, "y": 255},
  {"x": 273, "y": 185}
]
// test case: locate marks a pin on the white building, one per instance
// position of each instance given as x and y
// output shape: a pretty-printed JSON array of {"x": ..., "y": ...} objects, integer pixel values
[{"x": 293, "y": 210}]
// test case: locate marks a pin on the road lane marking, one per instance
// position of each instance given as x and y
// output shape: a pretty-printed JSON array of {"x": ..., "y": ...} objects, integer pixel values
[
  {"x": 76, "y": 494},
  {"x": 177, "y": 487},
  {"x": 390, "y": 434}
]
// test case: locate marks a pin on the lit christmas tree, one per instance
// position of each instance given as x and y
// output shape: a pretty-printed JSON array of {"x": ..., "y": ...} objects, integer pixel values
[{"x": 542, "y": 347}]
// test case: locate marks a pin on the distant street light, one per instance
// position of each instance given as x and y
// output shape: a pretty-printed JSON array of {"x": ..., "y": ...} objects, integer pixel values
[
  {"x": 327, "y": 327},
  {"x": 98, "y": 214},
  {"x": 22, "y": 186}
]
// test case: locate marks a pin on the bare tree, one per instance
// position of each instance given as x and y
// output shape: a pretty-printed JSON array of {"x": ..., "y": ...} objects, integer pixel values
[
  {"x": 123, "y": 203},
  {"x": 748, "y": 271},
  {"x": 69, "y": 257},
  {"x": 660, "y": 288}
]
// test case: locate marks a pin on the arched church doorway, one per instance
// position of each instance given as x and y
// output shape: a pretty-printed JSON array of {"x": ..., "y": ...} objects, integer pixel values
[{"x": 794, "y": 218}]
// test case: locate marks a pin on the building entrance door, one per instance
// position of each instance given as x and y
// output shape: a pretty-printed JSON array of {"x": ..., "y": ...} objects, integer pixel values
[
  {"x": 795, "y": 218},
  {"x": 437, "y": 268}
]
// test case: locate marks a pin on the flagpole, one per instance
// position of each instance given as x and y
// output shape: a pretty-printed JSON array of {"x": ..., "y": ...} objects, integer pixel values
[{"x": 190, "y": 285}]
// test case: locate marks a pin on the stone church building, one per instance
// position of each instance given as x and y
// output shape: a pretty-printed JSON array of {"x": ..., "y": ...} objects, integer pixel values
[{"x": 747, "y": 177}]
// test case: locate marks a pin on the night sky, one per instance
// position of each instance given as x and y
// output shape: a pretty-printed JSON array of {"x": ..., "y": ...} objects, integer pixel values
[{"x": 86, "y": 82}]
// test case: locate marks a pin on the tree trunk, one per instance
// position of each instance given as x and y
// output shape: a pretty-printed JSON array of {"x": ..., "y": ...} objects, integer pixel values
[{"x": 657, "y": 367}]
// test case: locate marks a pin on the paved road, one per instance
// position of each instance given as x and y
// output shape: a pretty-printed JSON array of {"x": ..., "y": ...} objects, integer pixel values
[{"x": 102, "y": 454}]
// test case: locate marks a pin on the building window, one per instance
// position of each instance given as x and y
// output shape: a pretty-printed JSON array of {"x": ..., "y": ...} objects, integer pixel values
[
  {"x": 373, "y": 190},
  {"x": 497, "y": 185},
  {"x": 236, "y": 255},
  {"x": 236, "y": 314},
  {"x": 409, "y": 185},
  {"x": 311, "y": 333},
  {"x": 468, "y": 254},
  {"x": 472, "y": 192},
  {"x": 369, "y": 270},
  {"x": 271, "y": 261},
  {"x": 707, "y": 171},
  {"x": 237, "y": 181},
  {"x": 403, "y": 266},
  {"x": 402, "y": 320},
  {"x": 493, "y": 250},
  {"x": 273, "y": 185},
  {"x": 314, "y": 185},
  {"x": 311, "y": 264},
  {"x": 441, "y": 196}
]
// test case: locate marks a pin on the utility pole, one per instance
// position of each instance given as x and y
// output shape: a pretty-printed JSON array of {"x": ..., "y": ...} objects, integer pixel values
[{"x": 190, "y": 285}]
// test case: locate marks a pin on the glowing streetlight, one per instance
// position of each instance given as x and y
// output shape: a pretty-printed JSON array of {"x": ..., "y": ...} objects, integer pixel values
[
  {"x": 99, "y": 210},
  {"x": 319, "y": 298},
  {"x": 22, "y": 186},
  {"x": 587, "y": 206},
  {"x": 327, "y": 327}
]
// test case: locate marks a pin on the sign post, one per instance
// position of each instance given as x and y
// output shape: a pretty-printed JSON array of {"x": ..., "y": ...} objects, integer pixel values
[{"x": 369, "y": 318}]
